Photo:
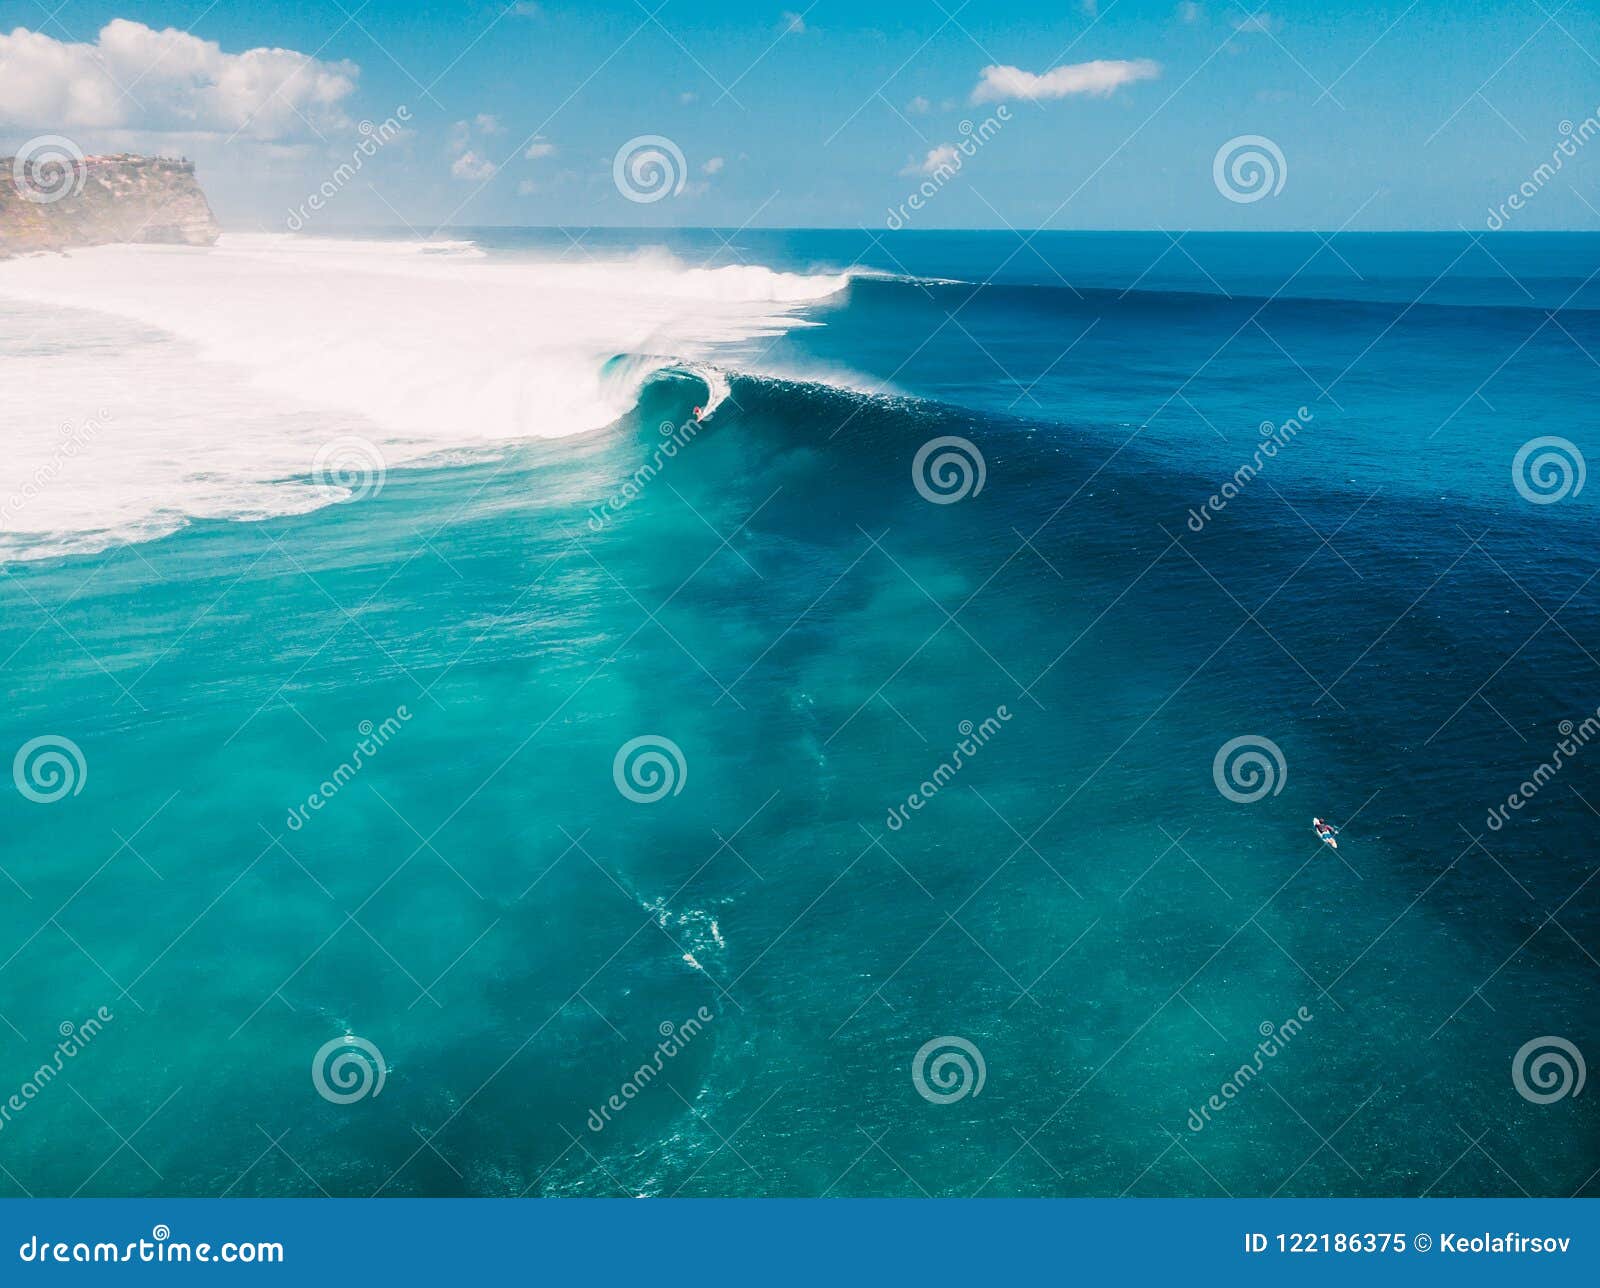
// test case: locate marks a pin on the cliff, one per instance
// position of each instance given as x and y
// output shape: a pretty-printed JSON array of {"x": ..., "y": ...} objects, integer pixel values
[{"x": 58, "y": 205}]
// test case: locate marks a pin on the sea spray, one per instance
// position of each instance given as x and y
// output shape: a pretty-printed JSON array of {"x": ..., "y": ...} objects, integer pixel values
[
  {"x": 74, "y": 440},
  {"x": 427, "y": 350}
]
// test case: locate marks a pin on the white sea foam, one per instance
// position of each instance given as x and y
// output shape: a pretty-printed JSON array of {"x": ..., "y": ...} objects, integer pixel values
[
  {"x": 266, "y": 347},
  {"x": 716, "y": 385},
  {"x": 695, "y": 931}
]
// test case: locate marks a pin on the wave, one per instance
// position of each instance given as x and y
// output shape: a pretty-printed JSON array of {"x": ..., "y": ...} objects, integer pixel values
[
  {"x": 633, "y": 371},
  {"x": 266, "y": 347},
  {"x": 906, "y": 279},
  {"x": 1077, "y": 296},
  {"x": 717, "y": 388}
]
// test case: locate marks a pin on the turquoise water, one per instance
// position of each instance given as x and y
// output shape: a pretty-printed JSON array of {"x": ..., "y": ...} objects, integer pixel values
[{"x": 1079, "y": 901}]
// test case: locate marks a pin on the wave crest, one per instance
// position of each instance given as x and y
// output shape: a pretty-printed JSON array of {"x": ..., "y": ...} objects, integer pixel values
[{"x": 425, "y": 347}]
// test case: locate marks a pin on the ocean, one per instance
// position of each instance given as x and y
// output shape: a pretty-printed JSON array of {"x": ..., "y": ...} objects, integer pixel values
[{"x": 442, "y": 765}]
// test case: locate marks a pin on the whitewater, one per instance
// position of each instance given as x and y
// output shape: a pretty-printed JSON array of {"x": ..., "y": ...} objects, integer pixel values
[{"x": 152, "y": 385}]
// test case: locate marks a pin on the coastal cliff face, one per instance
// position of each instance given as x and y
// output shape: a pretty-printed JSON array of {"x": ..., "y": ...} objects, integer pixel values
[{"x": 58, "y": 205}]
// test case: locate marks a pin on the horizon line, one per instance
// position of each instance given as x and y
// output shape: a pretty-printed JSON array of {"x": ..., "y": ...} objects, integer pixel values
[{"x": 1017, "y": 232}]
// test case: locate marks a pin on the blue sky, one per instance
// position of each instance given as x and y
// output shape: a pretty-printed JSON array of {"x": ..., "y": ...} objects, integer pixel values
[{"x": 1386, "y": 116}]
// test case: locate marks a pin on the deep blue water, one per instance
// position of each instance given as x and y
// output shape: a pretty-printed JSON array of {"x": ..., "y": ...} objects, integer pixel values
[{"x": 1078, "y": 901}]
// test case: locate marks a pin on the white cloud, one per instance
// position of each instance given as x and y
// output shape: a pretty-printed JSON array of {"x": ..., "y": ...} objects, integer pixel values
[
  {"x": 540, "y": 147},
  {"x": 794, "y": 23},
  {"x": 1099, "y": 78},
  {"x": 527, "y": 9},
  {"x": 179, "y": 84},
  {"x": 937, "y": 158},
  {"x": 1190, "y": 12},
  {"x": 688, "y": 96},
  {"x": 918, "y": 106},
  {"x": 1256, "y": 22},
  {"x": 526, "y": 188},
  {"x": 1091, "y": 8},
  {"x": 484, "y": 123},
  {"x": 713, "y": 165},
  {"x": 469, "y": 165},
  {"x": 262, "y": 152}
]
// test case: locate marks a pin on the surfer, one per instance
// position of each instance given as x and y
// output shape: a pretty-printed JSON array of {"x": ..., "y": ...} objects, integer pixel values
[
  {"x": 1327, "y": 831},
  {"x": 698, "y": 413}
]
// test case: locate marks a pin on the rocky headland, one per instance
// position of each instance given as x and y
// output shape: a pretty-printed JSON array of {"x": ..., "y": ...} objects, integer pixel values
[{"x": 58, "y": 204}]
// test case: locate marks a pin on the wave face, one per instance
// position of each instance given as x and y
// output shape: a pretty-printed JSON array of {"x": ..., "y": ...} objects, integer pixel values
[
  {"x": 267, "y": 348},
  {"x": 782, "y": 603}
]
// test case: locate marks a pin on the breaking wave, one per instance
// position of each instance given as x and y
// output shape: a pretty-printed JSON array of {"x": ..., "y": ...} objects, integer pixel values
[{"x": 265, "y": 347}]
